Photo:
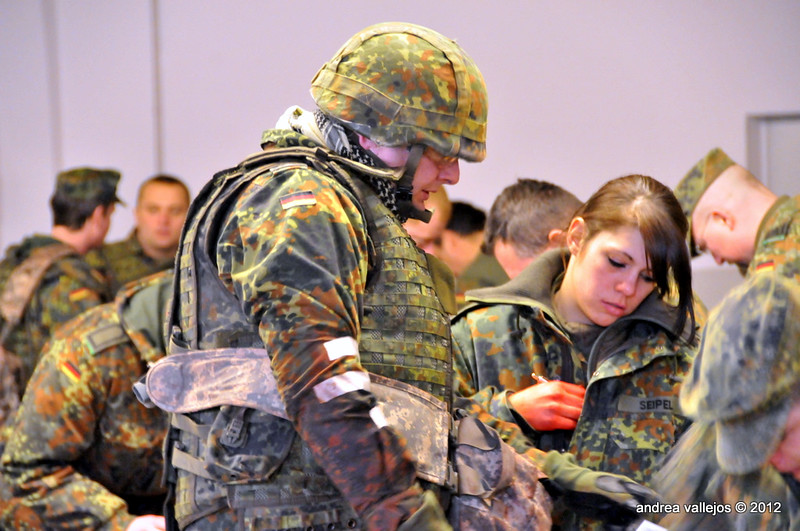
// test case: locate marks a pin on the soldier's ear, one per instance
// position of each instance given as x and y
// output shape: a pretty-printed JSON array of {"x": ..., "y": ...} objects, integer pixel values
[
  {"x": 99, "y": 212},
  {"x": 727, "y": 219},
  {"x": 556, "y": 238},
  {"x": 575, "y": 234},
  {"x": 366, "y": 143}
]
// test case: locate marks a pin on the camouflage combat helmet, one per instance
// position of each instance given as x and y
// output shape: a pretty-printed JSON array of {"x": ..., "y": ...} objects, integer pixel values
[{"x": 402, "y": 84}]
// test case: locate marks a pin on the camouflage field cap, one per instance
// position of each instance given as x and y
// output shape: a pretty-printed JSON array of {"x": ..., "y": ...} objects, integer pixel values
[
  {"x": 88, "y": 183},
  {"x": 747, "y": 374},
  {"x": 402, "y": 84},
  {"x": 694, "y": 183}
]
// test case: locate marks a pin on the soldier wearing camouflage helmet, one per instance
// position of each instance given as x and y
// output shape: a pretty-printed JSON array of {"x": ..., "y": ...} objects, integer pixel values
[
  {"x": 738, "y": 219},
  {"x": 295, "y": 277},
  {"x": 44, "y": 280},
  {"x": 309, "y": 367},
  {"x": 743, "y": 391}
]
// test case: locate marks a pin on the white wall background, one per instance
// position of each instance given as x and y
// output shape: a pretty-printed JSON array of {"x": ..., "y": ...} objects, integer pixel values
[{"x": 581, "y": 91}]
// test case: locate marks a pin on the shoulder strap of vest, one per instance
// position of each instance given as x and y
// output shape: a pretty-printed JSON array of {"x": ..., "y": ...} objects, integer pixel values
[
  {"x": 184, "y": 279},
  {"x": 24, "y": 280},
  {"x": 228, "y": 181}
]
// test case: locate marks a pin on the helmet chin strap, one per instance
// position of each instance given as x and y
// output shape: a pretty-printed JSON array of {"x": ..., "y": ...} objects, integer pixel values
[{"x": 405, "y": 187}]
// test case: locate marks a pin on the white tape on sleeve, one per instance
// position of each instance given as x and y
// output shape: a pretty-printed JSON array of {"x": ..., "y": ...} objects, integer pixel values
[
  {"x": 341, "y": 347},
  {"x": 378, "y": 417},
  {"x": 340, "y": 384}
]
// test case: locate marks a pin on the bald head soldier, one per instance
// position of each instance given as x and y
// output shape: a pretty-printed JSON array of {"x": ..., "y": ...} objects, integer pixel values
[{"x": 737, "y": 219}]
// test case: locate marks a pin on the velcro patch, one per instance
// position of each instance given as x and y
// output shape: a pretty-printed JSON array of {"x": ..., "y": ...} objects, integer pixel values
[
  {"x": 102, "y": 338},
  {"x": 298, "y": 199},
  {"x": 656, "y": 404}
]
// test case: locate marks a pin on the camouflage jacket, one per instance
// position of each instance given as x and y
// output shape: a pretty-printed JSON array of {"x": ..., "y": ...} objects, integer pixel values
[
  {"x": 83, "y": 452},
  {"x": 778, "y": 240},
  {"x": 68, "y": 288},
  {"x": 291, "y": 250},
  {"x": 123, "y": 261},
  {"x": 701, "y": 496},
  {"x": 632, "y": 373}
]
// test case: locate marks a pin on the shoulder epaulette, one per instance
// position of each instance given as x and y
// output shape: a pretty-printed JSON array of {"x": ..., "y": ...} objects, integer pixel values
[{"x": 108, "y": 336}]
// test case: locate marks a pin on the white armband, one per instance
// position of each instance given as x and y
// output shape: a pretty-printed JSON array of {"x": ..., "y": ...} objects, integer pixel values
[
  {"x": 341, "y": 347},
  {"x": 340, "y": 384}
]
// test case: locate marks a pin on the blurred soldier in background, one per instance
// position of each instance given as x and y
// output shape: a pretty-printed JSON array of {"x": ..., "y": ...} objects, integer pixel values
[
  {"x": 460, "y": 249},
  {"x": 528, "y": 218},
  {"x": 45, "y": 281},
  {"x": 82, "y": 452},
  {"x": 160, "y": 211}
]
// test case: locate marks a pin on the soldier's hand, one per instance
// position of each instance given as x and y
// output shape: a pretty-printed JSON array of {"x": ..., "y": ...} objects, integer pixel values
[
  {"x": 550, "y": 405},
  {"x": 148, "y": 522},
  {"x": 600, "y": 495}
]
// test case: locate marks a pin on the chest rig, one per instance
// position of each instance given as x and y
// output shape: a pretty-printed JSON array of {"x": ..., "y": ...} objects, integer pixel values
[{"x": 233, "y": 446}]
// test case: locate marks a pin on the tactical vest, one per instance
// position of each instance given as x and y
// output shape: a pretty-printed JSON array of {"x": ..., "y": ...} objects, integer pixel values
[{"x": 238, "y": 457}]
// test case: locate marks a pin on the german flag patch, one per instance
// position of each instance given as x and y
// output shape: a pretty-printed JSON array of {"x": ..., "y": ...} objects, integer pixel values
[
  {"x": 765, "y": 266},
  {"x": 298, "y": 199},
  {"x": 79, "y": 294},
  {"x": 70, "y": 371}
]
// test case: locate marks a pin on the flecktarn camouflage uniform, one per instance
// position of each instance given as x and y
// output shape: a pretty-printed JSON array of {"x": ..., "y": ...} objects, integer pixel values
[
  {"x": 744, "y": 380},
  {"x": 83, "y": 452},
  {"x": 632, "y": 372},
  {"x": 330, "y": 460},
  {"x": 778, "y": 240},
  {"x": 125, "y": 261},
  {"x": 691, "y": 481},
  {"x": 296, "y": 260},
  {"x": 68, "y": 288}
]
